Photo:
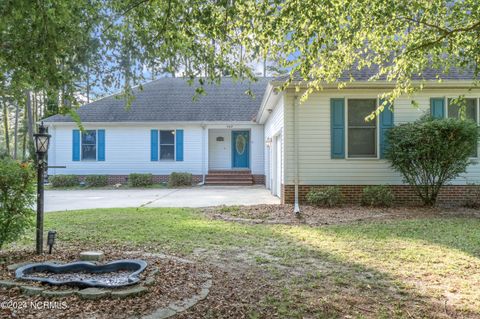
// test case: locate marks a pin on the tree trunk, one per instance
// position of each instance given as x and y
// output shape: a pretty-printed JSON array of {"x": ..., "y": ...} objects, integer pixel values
[
  {"x": 88, "y": 84},
  {"x": 24, "y": 131},
  {"x": 15, "y": 132},
  {"x": 35, "y": 107},
  {"x": 265, "y": 67},
  {"x": 5, "y": 124},
  {"x": 30, "y": 125}
]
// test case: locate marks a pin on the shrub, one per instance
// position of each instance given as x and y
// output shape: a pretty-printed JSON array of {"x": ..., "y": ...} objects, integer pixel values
[
  {"x": 377, "y": 196},
  {"x": 140, "y": 180},
  {"x": 430, "y": 152},
  {"x": 180, "y": 179},
  {"x": 472, "y": 196},
  {"x": 96, "y": 180},
  {"x": 17, "y": 197},
  {"x": 4, "y": 154},
  {"x": 330, "y": 196},
  {"x": 64, "y": 180}
]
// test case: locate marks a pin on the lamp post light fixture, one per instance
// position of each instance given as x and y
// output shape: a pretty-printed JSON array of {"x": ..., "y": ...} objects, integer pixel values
[{"x": 42, "y": 139}]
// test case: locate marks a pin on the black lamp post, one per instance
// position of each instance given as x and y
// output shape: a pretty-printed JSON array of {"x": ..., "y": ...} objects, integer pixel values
[{"x": 41, "y": 147}]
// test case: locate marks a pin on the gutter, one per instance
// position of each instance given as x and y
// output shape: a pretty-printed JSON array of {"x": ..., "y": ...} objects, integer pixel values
[
  {"x": 265, "y": 99},
  {"x": 296, "y": 206},
  {"x": 427, "y": 84}
]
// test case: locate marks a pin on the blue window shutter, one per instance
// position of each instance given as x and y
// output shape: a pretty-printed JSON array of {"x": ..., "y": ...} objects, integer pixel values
[
  {"x": 75, "y": 145},
  {"x": 154, "y": 145},
  {"x": 101, "y": 145},
  {"x": 179, "y": 145},
  {"x": 337, "y": 125},
  {"x": 437, "y": 108},
  {"x": 386, "y": 123}
]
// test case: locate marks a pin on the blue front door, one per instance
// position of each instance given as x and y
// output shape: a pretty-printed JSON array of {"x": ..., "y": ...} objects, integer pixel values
[{"x": 240, "y": 149}]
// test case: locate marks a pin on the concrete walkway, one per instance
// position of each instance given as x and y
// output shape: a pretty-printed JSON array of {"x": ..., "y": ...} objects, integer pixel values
[{"x": 60, "y": 200}]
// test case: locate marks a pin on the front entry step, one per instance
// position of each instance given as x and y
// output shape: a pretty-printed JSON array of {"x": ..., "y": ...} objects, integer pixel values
[{"x": 229, "y": 177}]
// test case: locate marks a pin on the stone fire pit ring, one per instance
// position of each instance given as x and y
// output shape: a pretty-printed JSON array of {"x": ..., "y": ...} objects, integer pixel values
[{"x": 133, "y": 266}]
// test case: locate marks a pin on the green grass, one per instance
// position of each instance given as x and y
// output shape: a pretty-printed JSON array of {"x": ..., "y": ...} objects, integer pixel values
[{"x": 398, "y": 268}]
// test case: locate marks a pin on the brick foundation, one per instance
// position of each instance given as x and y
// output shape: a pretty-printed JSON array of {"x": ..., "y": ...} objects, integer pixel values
[
  {"x": 404, "y": 194},
  {"x": 123, "y": 179},
  {"x": 259, "y": 179}
]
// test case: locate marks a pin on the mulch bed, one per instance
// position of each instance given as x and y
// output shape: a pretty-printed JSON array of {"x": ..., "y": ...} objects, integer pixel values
[
  {"x": 174, "y": 281},
  {"x": 318, "y": 216}
]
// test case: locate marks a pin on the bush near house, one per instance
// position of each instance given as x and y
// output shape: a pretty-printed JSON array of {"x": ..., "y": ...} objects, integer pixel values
[
  {"x": 431, "y": 152},
  {"x": 140, "y": 180},
  {"x": 64, "y": 180},
  {"x": 17, "y": 197},
  {"x": 377, "y": 196},
  {"x": 472, "y": 196},
  {"x": 180, "y": 179},
  {"x": 330, "y": 196},
  {"x": 96, "y": 180}
]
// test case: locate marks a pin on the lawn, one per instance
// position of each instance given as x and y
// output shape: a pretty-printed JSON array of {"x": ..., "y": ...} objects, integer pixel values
[{"x": 402, "y": 268}]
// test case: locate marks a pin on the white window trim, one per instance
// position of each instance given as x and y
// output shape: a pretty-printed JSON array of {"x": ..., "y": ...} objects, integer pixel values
[
  {"x": 446, "y": 110},
  {"x": 174, "y": 146},
  {"x": 96, "y": 146},
  {"x": 377, "y": 141}
]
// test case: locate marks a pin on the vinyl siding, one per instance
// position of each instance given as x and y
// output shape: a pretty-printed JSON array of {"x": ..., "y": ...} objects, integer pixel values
[
  {"x": 273, "y": 127},
  {"x": 127, "y": 150},
  {"x": 315, "y": 164}
]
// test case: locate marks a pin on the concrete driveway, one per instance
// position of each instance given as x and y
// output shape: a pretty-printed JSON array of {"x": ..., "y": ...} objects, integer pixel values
[{"x": 60, "y": 200}]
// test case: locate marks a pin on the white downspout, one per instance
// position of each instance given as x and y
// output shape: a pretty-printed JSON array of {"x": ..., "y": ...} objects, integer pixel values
[
  {"x": 296, "y": 207},
  {"x": 203, "y": 155}
]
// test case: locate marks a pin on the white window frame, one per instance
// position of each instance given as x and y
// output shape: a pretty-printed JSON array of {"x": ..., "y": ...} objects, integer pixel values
[
  {"x": 174, "y": 145},
  {"x": 446, "y": 110},
  {"x": 377, "y": 131},
  {"x": 96, "y": 146}
]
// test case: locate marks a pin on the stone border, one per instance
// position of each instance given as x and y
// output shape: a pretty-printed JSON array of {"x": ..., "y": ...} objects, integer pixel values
[
  {"x": 134, "y": 266},
  {"x": 179, "y": 306},
  {"x": 85, "y": 293}
]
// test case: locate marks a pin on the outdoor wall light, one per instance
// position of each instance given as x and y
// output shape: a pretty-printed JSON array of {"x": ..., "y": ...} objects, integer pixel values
[
  {"x": 268, "y": 141},
  {"x": 51, "y": 240}
]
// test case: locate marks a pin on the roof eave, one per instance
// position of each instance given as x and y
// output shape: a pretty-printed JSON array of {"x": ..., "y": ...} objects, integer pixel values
[{"x": 386, "y": 84}]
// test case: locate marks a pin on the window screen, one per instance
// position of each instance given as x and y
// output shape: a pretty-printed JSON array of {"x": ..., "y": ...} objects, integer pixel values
[
  {"x": 89, "y": 145},
  {"x": 167, "y": 145},
  {"x": 362, "y": 135},
  {"x": 467, "y": 108}
]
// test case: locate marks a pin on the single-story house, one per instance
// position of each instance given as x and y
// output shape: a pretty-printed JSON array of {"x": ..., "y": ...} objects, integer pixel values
[{"x": 229, "y": 137}]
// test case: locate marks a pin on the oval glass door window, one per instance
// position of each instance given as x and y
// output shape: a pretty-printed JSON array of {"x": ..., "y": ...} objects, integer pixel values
[{"x": 240, "y": 144}]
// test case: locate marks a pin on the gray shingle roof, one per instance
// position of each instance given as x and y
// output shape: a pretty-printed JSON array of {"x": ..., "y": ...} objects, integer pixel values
[
  {"x": 170, "y": 100},
  {"x": 364, "y": 74}
]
